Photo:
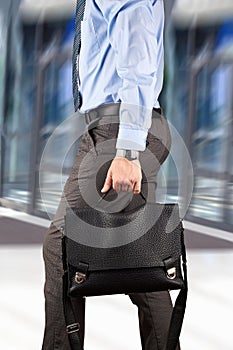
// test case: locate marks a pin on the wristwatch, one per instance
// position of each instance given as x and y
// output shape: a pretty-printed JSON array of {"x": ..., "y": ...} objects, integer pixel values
[{"x": 128, "y": 154}]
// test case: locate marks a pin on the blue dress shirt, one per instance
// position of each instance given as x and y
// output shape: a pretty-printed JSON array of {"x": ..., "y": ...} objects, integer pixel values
[{"x": 121, "y": 61}]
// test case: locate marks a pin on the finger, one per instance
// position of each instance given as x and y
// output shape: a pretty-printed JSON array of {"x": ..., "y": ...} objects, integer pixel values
[
  {"x": 126, "y": 188},
  {"x": 130, "y": 188},
  {"x": 107, "y": 184},
  {"x": 118, "y": 187},
  {"x": 137, "y": 187}
]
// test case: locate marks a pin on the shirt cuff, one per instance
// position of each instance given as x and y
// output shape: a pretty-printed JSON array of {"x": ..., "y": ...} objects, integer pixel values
[{"x": 132, "y": 139}]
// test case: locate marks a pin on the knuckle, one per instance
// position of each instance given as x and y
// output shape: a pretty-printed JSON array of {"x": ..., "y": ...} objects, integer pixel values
[{"x": 117, "y": 182}]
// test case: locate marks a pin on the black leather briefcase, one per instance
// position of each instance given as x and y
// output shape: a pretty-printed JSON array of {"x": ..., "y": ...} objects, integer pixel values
[
  {"x": 141, "y": 250},
  {"x": 148, "y": 260}
]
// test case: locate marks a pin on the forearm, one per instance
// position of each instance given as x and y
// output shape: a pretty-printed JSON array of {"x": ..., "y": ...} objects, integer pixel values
[{"x": 132, "y": 34}]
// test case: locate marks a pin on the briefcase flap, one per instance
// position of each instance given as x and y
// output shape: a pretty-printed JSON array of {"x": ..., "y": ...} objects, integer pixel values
[{"x": 143, "y": 237}]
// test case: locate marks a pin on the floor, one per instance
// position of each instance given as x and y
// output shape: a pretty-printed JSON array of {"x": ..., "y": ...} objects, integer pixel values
[{"x": 207, "y": 324}]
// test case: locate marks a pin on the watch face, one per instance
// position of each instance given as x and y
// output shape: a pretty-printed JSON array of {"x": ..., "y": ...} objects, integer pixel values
[{"x": 130, "y": 155}]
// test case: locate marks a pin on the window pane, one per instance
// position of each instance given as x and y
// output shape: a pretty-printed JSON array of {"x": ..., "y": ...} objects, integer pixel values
[
  {"x": 18, "y": 117},
  {"x": 213, "y": 117},
  {"x": 57, "y": 106},
  {"x": 208, "y": 199}
]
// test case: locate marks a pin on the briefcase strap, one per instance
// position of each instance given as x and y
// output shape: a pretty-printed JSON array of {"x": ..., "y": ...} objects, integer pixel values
[
  {"x": 179, "y": 307},
  {"x": 73, "y": 326}
]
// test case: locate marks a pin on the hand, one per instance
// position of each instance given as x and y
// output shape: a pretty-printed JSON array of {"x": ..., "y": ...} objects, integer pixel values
[{"x": 124, "y": 175}]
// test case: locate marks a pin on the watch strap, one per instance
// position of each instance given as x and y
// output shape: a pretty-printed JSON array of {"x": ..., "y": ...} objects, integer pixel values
[{"x": 128, "y": 154}]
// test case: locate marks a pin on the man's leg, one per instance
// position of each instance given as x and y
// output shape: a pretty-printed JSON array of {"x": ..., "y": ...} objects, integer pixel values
[
  {"x": 154, "y": 313},
  {"x": 55, "y": 336},
  {"x": 154, "y": 309},
  {"x": 81, "y": 189}
]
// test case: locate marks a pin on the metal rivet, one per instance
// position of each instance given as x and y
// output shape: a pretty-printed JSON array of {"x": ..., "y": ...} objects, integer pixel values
[{"x": 80, "y": 277}]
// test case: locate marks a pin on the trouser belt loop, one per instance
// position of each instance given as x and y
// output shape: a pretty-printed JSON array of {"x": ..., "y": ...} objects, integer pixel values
[
  {"x": 91, "y": 118},
  {"x": 87, "y": 118}
]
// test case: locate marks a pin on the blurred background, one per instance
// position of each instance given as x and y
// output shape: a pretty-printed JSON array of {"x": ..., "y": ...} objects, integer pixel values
[{"x": 36, "y": 96}]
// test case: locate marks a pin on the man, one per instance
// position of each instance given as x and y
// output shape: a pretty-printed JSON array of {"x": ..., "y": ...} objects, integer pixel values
[{"x": 120, "y": 77}]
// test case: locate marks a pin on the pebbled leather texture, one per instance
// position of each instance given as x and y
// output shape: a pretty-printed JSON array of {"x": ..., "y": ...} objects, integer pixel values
[{"x": 134, "y": 267}]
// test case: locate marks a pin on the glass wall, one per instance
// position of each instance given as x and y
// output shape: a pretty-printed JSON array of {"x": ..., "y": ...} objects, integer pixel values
[
  {"x": 57, "y": 105},
  {"x": 200, "y": 106},
  {"x": 37, "y": 80},
  {"x": 17, "y": 120},
  {"x": 212, "y": 139}
]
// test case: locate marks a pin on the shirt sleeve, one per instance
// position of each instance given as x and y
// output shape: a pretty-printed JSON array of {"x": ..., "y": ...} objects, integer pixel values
[{"x": 133, "y": 36}]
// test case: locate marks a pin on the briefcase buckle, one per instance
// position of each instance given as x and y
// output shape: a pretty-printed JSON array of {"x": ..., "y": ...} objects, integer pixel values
[
  {"x": 80, "y": 277},
  {"x": 171, "y": 273},
  {"x": 72, "y": 328}
]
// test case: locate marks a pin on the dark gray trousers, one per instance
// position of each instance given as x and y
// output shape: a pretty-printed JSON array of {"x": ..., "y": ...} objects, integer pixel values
[{"x": 95, "y": 153}]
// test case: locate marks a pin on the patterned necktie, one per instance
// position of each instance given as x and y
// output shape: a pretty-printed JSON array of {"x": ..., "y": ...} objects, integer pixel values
[{"x": 76, "y": 50}]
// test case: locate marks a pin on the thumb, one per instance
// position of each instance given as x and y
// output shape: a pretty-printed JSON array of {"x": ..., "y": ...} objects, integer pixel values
[{"x": 107, "y": 184}]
